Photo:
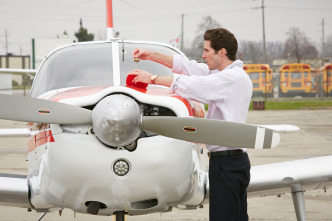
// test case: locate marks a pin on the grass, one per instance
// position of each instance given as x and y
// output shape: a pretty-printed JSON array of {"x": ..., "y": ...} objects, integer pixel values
[{"x": 296, "y": 104}]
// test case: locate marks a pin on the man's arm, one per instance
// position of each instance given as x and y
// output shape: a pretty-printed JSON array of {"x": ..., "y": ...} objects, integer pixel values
[
  {"x": 145, "y": 77},
  {"x": 144, "y": 54}
]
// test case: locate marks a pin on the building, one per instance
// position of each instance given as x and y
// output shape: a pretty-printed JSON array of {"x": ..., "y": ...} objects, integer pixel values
[{"x": 13, "y": 61}]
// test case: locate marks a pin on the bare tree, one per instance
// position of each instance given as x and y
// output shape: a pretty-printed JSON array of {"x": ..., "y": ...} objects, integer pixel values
[
  {"x": 197, "y": 45},
  {"x": 328, "y": 47},
  {"x": 274, "y": 50},
  {"x": 251, "y": 52},
  {"x": 298, "y": 47}
]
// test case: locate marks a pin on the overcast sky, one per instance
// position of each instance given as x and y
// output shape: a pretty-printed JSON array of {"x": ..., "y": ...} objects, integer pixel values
[{"x": 157, "y": 20}]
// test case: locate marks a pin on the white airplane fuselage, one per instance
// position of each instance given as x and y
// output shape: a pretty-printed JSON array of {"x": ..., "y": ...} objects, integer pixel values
[{"x": 69, "y": 167}]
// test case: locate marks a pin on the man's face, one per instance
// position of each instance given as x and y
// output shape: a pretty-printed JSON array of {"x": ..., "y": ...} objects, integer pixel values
[{"x": 212, "y": 59}]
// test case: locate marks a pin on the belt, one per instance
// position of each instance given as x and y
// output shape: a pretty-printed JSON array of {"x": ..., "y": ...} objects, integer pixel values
[{"x": 226, "y": 153}]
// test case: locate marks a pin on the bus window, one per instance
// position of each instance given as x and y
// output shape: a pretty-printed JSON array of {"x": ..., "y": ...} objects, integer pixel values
[
  {"x": 286, "y": 74},
  {"x": 296, "y": 75},
  {"x": 254, "y": 76}
]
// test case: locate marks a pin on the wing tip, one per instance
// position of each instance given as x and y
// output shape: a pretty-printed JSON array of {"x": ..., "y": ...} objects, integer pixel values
[{"x": 275, "y": 139}]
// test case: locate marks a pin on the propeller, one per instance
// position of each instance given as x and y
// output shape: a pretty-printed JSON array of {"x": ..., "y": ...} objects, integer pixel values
[
  {"x": 117, "y": 121},
  {"x": 36, "y": 110},
  {"x": 214, "y": 132}
]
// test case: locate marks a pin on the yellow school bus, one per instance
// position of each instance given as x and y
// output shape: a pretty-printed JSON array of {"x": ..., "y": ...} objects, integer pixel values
[
  {"x": 326, "y": 74},
  {"x": 296, "y": 80},
  {"x": 261, "y": 77}
]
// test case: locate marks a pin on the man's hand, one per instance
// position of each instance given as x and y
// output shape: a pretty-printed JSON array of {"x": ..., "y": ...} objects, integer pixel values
[
  {"x": 141, "y": 76},
  {"x": 143, "y": 54}
]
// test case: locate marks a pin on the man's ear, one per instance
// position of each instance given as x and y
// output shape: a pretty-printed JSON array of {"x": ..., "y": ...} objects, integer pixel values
[{"x": 222, "y": 51}]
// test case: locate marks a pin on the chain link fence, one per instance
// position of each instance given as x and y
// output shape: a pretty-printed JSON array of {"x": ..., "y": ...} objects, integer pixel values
[{"x": 299, "y": 85}]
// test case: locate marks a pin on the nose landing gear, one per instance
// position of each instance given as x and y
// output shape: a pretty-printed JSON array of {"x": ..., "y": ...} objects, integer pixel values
[{"x": 120, "y": 215}]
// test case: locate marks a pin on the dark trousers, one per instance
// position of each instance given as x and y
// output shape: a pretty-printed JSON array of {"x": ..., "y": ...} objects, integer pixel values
[{"x": 229, "y": 178}]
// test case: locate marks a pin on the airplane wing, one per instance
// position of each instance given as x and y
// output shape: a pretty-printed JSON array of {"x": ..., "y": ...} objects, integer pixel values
[
  {"x": 310, "y": 174},
  {"x": 15, "y": 132},
  {"x": 14, "y": 190},
  {"x": 282, "y": 127},
  {"x": 17, "y": 71},
  {"x": 293, "y": 177}
]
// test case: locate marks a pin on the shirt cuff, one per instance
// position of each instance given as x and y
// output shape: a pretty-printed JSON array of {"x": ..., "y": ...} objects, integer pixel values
[
  {"x": 177, "y": 64},
  {"x": 173, "y": 87}
]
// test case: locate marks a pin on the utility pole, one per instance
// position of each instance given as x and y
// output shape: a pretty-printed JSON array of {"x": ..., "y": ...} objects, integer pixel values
[
  {"x": 264, "y": 45},
  {"x": 323, "y": 58},
  {"x": 182, "y": 18},
  {"x": 6, "y": 40},
  {"x": 263, "y": 18},
  {"x": 323, "y": 39}
]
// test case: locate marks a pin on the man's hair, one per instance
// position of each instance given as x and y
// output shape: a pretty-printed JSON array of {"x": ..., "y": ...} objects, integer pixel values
[{"x": 222, "y": 38}]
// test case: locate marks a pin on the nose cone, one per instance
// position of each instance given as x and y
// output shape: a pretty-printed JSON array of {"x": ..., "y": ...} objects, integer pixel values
[{"x": 117, "y": 120}]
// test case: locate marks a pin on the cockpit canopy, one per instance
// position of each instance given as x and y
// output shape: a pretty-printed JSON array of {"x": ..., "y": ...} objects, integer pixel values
[{"x": 91, "y": 64}]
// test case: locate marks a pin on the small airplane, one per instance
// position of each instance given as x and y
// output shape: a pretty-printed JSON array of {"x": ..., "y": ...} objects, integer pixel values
[{"x": 99, "y": 144}]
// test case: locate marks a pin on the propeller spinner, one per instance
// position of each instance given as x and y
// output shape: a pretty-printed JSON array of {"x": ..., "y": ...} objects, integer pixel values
[{"x": 117, "y": 120}]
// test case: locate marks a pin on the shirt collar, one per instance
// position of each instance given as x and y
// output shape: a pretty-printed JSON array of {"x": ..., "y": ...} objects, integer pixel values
[{"x": 236, "y": 63}]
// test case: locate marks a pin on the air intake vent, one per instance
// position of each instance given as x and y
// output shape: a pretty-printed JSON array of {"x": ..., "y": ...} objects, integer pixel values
[{"x": 145, "y": 204}]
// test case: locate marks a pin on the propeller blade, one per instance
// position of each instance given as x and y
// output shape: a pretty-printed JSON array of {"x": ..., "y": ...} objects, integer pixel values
[
  {"x": 214, "y": 132},
  {"x": 27, "y": 109}
]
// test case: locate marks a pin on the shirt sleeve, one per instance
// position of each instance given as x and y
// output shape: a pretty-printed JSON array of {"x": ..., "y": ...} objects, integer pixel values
[
  {"x": 182, "y": 65},
  {"x": 214, "y": 87}
]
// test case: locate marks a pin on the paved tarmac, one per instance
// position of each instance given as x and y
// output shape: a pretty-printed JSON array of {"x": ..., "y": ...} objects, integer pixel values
[{"x": 313, "y": 140}]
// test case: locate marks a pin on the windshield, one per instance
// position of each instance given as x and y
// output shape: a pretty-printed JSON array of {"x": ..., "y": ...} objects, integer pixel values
[
  {"x": 92, "y": 65},
  {"x": 127, "y": 63}
]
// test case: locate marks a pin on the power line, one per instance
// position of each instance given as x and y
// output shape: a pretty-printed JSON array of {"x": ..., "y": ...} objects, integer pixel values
[{"x": 297, "y": 8}]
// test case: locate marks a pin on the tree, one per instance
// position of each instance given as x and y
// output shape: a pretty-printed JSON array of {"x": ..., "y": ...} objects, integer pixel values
[
  {"x": 274, "y": 50},
  {"x": 83, "y": 35},
  {"x": 197, "y": 45},
  {"x": 251, "y": 52},
  {"x": 328, "y": 47},
  {"x": 298, "y": 47}
]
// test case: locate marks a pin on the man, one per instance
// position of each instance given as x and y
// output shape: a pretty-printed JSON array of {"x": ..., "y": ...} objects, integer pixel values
[{"x": 225, "y": 86}]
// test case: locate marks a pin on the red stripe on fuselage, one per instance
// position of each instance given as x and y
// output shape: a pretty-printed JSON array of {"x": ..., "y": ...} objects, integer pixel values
[
  {"x": 40, "y": 139},
  {"x": 193, "y": 109},
  {"x": 78, "y": 92}
]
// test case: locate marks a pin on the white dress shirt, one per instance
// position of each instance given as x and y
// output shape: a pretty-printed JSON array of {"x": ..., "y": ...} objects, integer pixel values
[{"x": 228, "y": 92}]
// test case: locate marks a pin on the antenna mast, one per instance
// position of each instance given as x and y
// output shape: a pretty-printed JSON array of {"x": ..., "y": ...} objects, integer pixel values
[{"x": 110, "y": 30}]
